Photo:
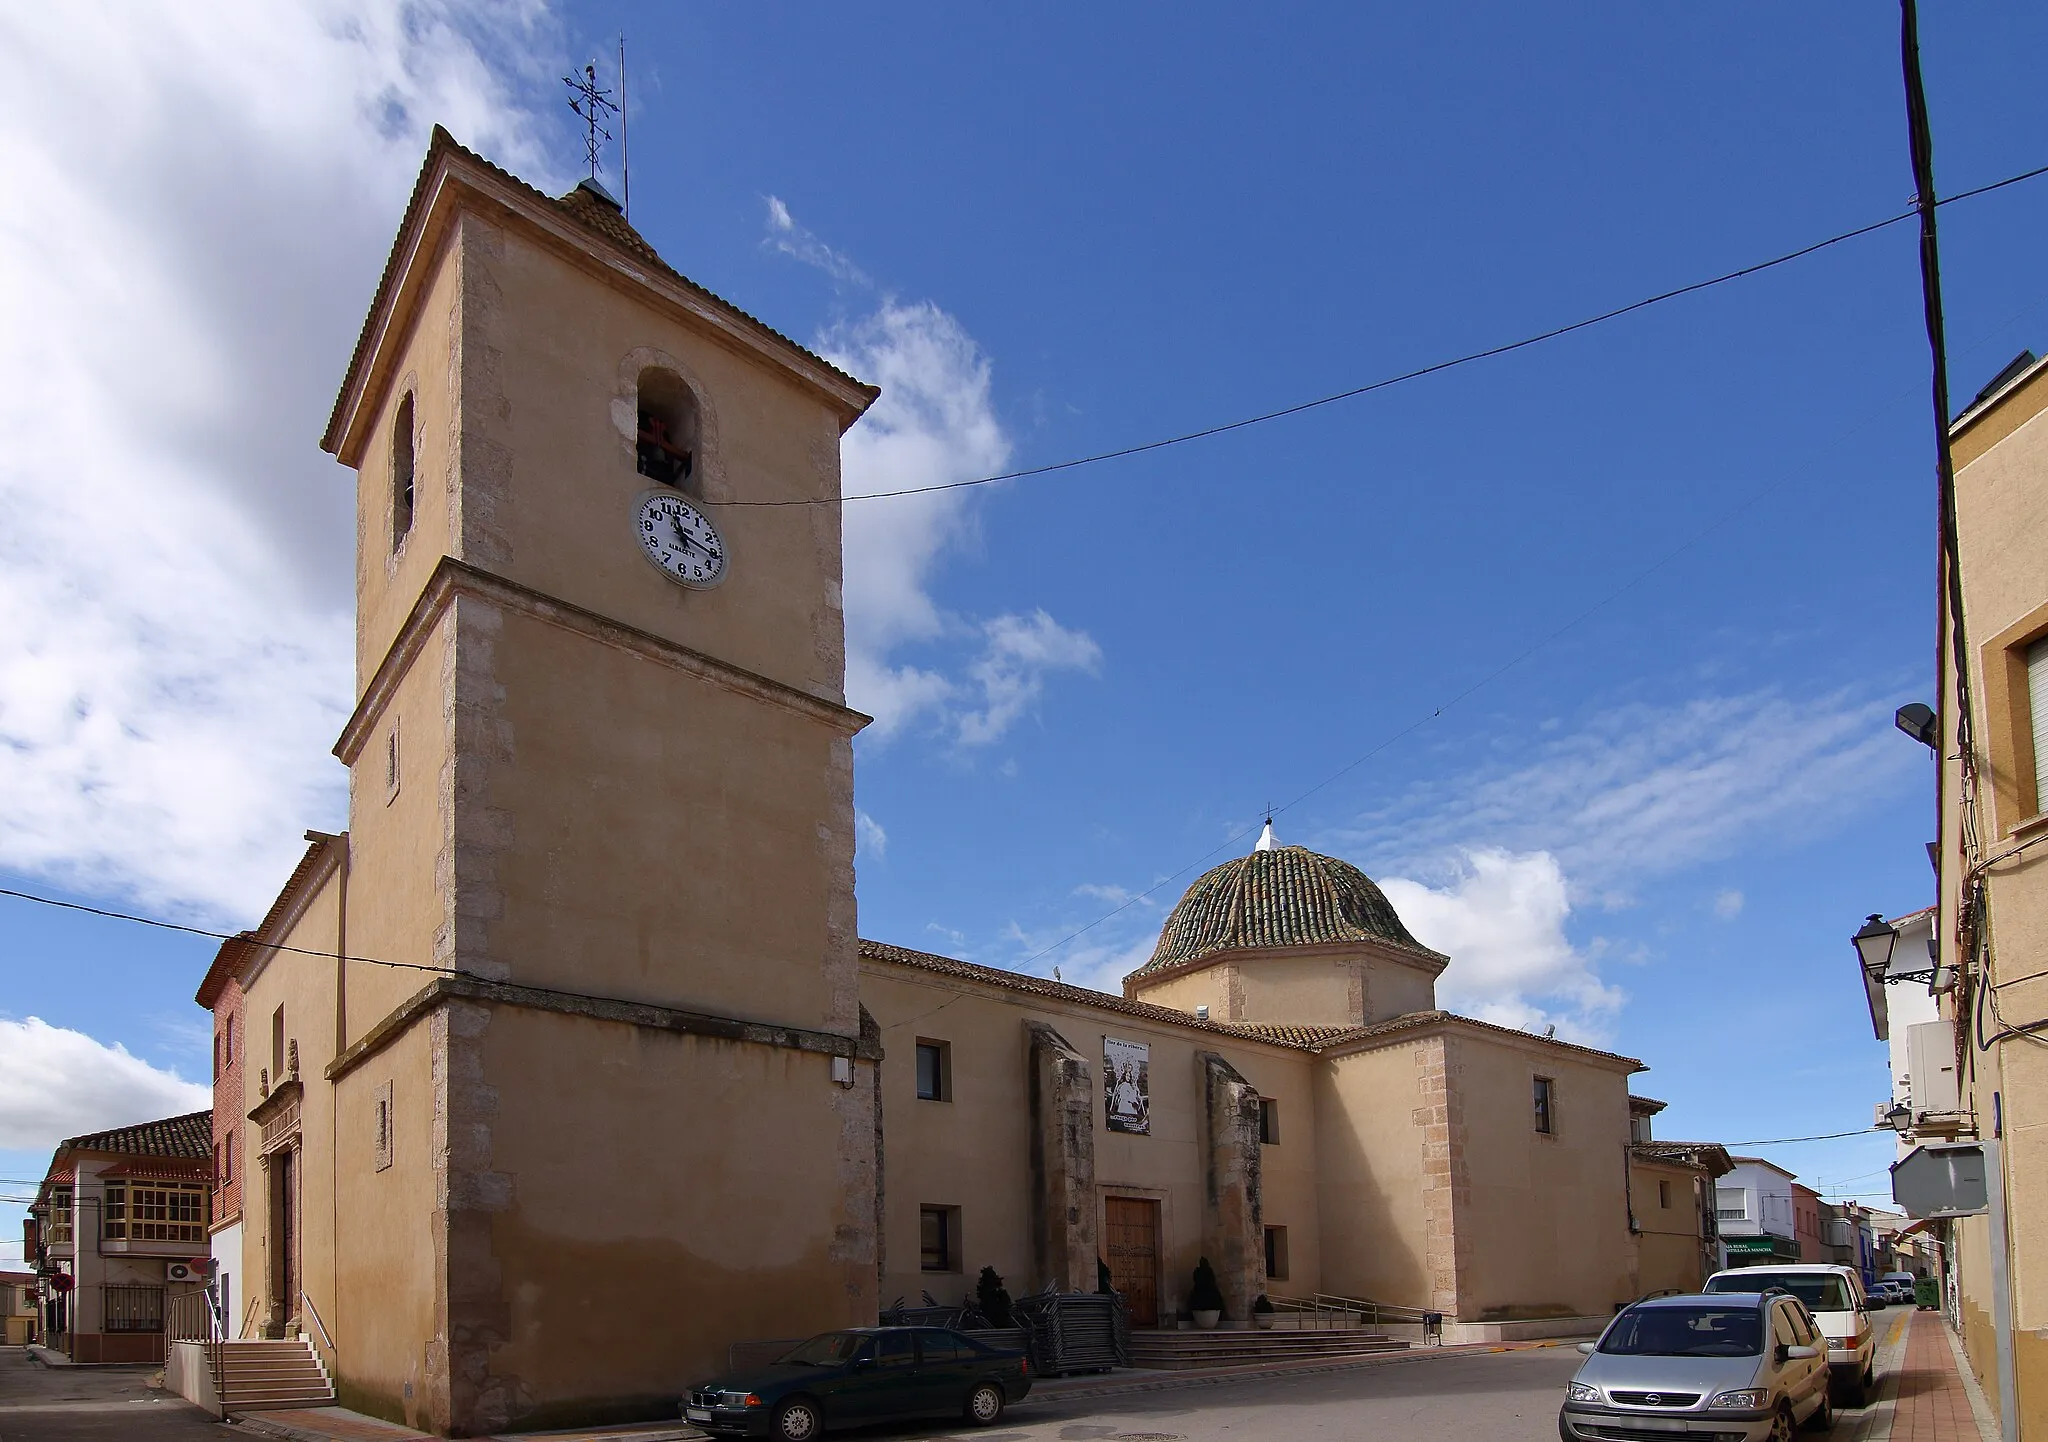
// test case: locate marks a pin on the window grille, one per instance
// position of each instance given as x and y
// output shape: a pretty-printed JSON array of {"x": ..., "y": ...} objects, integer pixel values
[{"x": 132, "y": 1308}]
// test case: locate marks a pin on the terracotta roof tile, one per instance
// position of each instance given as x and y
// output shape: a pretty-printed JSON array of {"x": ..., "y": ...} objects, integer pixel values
[
  {"x": 1288, "y": 896},
  {"x": 1081, "y": 995},
  {"x": 190, "y": 1135}
]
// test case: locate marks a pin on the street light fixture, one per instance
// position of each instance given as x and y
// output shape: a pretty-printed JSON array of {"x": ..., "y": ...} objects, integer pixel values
[{"x": 1874, "y": 945}]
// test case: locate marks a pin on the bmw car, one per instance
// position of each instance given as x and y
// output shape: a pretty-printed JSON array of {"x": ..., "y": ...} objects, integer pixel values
[{"x": 859, "y": 1376}]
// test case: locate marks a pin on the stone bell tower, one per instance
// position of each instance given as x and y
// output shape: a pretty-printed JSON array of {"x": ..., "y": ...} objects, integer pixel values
[{"x": 600, "y": 774}]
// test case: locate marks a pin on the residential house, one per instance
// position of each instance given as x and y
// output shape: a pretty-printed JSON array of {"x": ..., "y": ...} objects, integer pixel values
[
  {"x": 1806, "y": 1205},
  {"x": 120, "y": 1231},
  {"x": 20, "y": 1294},
  {"x": 1753, "y": 1204},
  {"x": 1673, "y": 1208},
  {"x": 1992, "y": 921}
]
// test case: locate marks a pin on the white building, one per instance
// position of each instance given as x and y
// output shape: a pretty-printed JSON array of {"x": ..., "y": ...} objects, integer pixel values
[{"x": 1753, "y": 1204}]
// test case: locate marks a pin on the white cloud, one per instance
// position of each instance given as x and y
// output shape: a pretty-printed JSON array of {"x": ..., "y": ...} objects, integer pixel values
[
  {"x": 935, "y": 423},
  {"x": 868, "y": 834},
  {"x": 1728, "y": 904},
  {"x": 1501, "y": 919},
  {"x": 1642, "y": 791},
  {"x": 786, "y": 236},
  {"x": 57, "y": 1083},
  {"x": 1111, "y": 894},
  {"x": 1010, "y": 673},
  {"x": 176, "y": 307}
]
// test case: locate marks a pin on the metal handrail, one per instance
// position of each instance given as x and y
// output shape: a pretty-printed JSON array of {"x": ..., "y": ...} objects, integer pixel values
[
  {"x": 326, "y": 1340},
  {"x": 1363, "y": 1308}
]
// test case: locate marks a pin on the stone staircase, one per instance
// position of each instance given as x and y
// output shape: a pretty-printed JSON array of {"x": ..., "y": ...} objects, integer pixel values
[
  {"x": 1185, "y": 1351},
  {"x": 257, "y": 1376}
]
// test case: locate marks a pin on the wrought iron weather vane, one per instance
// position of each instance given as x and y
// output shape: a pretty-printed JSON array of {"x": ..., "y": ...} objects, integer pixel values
[{"x": 594, "y": 103}]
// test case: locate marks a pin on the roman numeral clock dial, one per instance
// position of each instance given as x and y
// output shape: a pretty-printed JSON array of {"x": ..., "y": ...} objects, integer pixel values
[{"x": 679, "y": 539}]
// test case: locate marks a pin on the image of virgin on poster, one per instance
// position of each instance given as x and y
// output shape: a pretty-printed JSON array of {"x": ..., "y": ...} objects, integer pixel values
[{"x": 1127, "y": 1086}]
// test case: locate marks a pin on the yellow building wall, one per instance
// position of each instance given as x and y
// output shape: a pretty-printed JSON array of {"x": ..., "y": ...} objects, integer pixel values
[
  {"x": 1668, "y": 1236},
  {"x": 1370, "y": 1187},
  {"x": 973, "y": 1152},
  {"x": 1547, "y": 1225}
]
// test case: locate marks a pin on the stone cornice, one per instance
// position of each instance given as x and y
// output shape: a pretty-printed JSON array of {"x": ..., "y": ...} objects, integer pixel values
[
  {"x": 452, "y": 578},
  {"x": 1437, "y": 1023},
  {"x": 444, "y": 989},
  {"x": 1430, "y": 962}
]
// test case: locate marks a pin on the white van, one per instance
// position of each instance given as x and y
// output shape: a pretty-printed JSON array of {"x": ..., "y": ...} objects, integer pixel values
[{"x": 1835, "y": 1297}]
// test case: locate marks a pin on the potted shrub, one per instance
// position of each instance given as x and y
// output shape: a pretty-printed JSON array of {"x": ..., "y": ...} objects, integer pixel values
[
  {"x": 1262, "y": 1312},
  {"x": 1205, "y": 1298},
  {"x": 993, "y": 1300}
]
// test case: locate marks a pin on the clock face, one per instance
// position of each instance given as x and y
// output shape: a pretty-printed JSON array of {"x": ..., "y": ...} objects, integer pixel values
[{"x": 679, "y": 538}]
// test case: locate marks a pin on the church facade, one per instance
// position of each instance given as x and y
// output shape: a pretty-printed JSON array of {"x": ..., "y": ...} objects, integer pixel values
[{"x": 564, "y": 1066}]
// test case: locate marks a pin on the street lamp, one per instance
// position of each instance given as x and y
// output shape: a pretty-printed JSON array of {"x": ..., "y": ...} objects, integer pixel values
[
  {"x": 1874, "y": 945},
  {"x": 1899, "y": 1118}
]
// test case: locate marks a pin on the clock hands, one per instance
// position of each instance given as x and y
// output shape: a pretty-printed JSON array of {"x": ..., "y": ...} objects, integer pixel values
[{"x": 687, "y": 539}]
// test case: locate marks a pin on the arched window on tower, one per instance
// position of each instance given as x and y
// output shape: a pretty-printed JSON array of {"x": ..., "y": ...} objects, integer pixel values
[
  {"x": 667, "y": 447},
  {"x": 403, "y": 461}
]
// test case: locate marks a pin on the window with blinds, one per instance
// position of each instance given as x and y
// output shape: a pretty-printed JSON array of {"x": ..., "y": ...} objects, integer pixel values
[{"x": 2037, "y": 712}]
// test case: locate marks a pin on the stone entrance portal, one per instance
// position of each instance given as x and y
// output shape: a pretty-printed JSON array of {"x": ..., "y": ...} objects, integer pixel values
[{"x": 1131, "y": 1228}]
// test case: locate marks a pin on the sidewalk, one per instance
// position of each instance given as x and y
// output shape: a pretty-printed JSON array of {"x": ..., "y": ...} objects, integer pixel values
[{"x": 1924, "y": 1392}]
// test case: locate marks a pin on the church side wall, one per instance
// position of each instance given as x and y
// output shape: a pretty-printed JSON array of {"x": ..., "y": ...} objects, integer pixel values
[
  {"x": 640, "y": 1199},
  {"x": 1546, "y": 1229},
  {"x": 973, "y": 1152},
  {"x": 1371, "y": 1186}
]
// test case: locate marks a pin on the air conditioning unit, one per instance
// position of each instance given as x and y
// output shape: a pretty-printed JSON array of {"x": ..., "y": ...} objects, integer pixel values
[{"x": 179, "y": 1272}]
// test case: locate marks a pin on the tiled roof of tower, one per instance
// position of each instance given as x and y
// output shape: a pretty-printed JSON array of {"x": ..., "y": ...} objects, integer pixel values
[
  {"x": 190, "y": 1135},
  {"x": 580, "y": 205},
  {"x": 1710, "y": 1155},
  {"x": 1286, "y": 896}
]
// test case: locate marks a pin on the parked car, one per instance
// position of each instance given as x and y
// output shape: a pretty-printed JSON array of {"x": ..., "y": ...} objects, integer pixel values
[
  {"x": 1835, "y": 1297},
  {"x": 1890, "y": 1294},
  {"x": 1745, "y": 1365},
  {"x": 860, "y": 1376},
  {"x": 1901, "y": 1286}
]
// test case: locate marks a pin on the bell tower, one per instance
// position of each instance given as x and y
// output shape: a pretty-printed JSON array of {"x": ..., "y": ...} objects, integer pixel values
[{"x": 601, "y": 783}]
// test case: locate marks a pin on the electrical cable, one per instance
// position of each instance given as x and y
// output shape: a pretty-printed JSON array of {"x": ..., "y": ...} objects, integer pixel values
[
  {"x": 1505, "y": 348},
  {"x": 1823, "y": 1137}
]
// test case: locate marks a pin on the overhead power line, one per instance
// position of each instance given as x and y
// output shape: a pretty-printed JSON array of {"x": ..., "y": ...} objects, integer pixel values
[
  {"x": 1418, "y": 373},
  {"x": 1823, "y": 1137}
]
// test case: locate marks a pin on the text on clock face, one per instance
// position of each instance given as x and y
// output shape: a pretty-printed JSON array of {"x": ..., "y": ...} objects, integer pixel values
[{"x": 679, "y": 539}]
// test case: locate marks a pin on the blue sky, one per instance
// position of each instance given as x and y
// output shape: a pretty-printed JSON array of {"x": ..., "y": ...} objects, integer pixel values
[{"x": 1588, "y": 652}]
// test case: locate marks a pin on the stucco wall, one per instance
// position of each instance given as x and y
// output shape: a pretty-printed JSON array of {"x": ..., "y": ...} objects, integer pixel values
[
  {"x": 1370, "y": 1188},
  {"x": 1668, "y": 1252},
  {"x": 973, "y": 1152},
  {"x": 1548, "y": 1225}
]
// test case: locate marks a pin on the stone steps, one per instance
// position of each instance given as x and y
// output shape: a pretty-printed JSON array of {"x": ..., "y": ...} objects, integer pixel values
[
  {"x": 1183, "y": 1351},
  {"x": 256, "y": 1376}
]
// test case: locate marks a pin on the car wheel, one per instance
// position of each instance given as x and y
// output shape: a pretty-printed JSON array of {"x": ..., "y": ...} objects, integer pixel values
[
  {"x": 1822, "y": 1418},
  {"x": 797, "y": 1421},
  {"x": 985, "y": 1404},
  {"x": 1781, "y": 1424}
]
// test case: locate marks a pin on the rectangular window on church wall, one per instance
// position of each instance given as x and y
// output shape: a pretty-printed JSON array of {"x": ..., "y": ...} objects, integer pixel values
[
  {"x": 1276, "y": 1254},
  {"x": 1546, "y": 1106},
  {"x": 934, "y": 1071},
  {"x": 1127, "y": 1086},
  {"x": 1269, "y": 1121},
  {"x": 938, "y": 1238}
]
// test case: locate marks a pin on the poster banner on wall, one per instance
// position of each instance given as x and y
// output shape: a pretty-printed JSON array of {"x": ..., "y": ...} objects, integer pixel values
[{"x": 1127, "y": 1086}]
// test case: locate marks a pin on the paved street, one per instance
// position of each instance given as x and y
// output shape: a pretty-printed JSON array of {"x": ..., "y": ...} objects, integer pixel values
[{"x": 57, "y": 1404}]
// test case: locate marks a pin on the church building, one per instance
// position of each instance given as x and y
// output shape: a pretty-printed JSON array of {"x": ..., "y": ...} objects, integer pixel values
[{"x": 564, "y": 1066}]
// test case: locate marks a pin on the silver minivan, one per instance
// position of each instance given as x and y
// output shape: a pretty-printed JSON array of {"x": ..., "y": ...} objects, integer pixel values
[{"x": 1745, "y": 1365}]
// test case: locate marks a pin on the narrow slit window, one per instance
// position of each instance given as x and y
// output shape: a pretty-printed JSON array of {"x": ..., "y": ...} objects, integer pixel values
[
  {"x": 666, "y": 449},
  {"x": 383, "y": 1127},
  {"x": 391, "y": 765},
  {"x": 277, "y": 1045},
  {"x": 404, "y": 460},
  {"x": 1546, "y": 1106},
  {"x": 1269, "y": 1121},
  {"x": 1276, "y": 1254}
]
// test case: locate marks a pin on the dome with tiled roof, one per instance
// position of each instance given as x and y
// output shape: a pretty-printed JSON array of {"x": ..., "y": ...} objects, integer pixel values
[{"x": 1278, "y": 896}]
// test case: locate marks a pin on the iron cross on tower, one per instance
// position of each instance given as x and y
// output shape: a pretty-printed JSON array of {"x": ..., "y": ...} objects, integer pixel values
[{"x": 594, "y": 103}]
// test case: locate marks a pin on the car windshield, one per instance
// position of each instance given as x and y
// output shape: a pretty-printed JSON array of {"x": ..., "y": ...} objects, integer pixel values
[
  {"x": 825, "y": 1350},
  {"x": 1701, "y": 1331},
  {"x": 1821, "y": 1291}
]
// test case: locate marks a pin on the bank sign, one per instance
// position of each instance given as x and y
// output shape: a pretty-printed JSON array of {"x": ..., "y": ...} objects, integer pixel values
[{"x": 1127, "y": 1086}]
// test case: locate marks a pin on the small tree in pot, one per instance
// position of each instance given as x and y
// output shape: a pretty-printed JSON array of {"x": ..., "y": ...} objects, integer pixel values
[
  {"x": 1262, "y": 1312},
  {"x": 993, "y": 1299},
  {"x": 1205, "y": 1298}
]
